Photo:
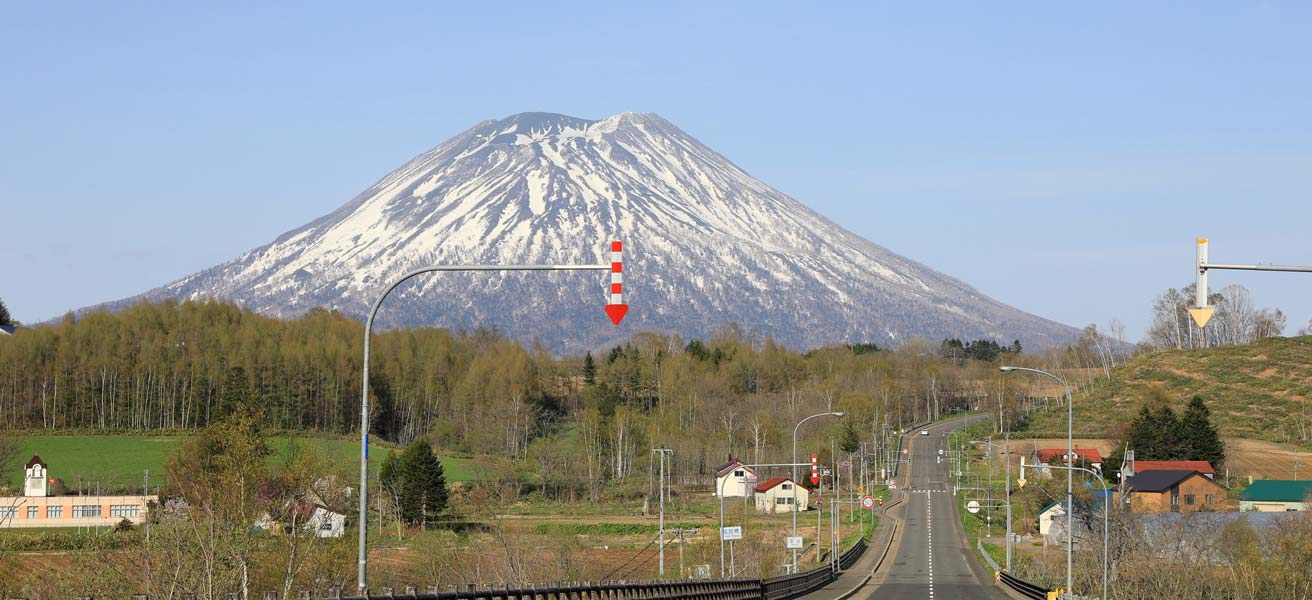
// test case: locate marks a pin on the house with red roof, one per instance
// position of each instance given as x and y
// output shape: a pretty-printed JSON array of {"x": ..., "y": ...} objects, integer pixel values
[{"x": 778, "y": 494}]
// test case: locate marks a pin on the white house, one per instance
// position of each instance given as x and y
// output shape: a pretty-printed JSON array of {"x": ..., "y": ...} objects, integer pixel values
[
  {"x": 776, "y": 496},
  {"x": 735, "y": 480},
  {"x": 37, "y": 507},
  {"x": 309, "y": 517},
  {"x": 1048, "y": 514}
]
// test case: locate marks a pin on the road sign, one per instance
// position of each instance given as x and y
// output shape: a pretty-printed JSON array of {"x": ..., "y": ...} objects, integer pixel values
[
  {"x": 731, "y": 533},
  {"x": 1020, "y": 482},
  {"x": 826, "y": 472},
  {"x": 972, "y": 507},
  {"x": 940, "y": 451},
  {"x": 1201, "y": 314},
  {"x": 891, "y": 482},
  {"x": 904, "y": 451},
  {"x": 793, "y": 543},
  {"x": 615, "y": 306},
  {"x": 867, "y": 502}
]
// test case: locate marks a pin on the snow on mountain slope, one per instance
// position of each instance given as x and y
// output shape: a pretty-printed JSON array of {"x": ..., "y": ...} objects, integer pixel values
[{"x": 706, "y": 244}]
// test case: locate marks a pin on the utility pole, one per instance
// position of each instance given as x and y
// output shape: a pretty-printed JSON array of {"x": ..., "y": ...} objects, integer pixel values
[{"x": 662, "y": 452}]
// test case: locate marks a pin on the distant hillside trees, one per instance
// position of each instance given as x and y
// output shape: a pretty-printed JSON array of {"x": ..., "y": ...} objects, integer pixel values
[
  {"x": 180, "y": 366},
  {"x": 1236, "y": 320},
  {"x": 1159, "y": 434},
  {"x": 984, "y": 350}
]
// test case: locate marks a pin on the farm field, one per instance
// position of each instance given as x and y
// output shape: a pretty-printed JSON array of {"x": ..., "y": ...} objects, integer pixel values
[{"x": 120, "y": 461}]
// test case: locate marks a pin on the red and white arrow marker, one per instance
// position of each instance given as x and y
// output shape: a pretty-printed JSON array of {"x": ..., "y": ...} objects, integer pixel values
[
  {"x": 616, "y": 308},
  {"x": 815, "y": 471}
]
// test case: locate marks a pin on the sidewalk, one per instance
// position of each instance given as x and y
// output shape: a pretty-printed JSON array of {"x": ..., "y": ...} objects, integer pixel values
[{"x": 850, "y": 582}]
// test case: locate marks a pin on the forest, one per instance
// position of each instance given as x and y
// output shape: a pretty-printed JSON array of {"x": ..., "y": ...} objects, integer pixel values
[{"x": 179, "y": 366}]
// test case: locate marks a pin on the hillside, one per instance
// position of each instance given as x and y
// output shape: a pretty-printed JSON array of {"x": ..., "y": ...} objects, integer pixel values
[{"x": 1256, "y": 391}]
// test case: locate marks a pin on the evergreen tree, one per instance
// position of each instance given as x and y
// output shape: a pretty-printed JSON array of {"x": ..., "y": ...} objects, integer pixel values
[
  {"x": 1166, "y": 439},
  {"x": 1199, "y": 438},
  {"x": 589, "y": 369},
  {"x": 850, "y": 439},
  {"x": 5, "y": 319},
  {"x": 423, "y": 485}
]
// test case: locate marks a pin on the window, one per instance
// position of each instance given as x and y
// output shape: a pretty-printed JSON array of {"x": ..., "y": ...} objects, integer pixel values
[
  {"x": 33, "y": 512},
  {"x": 84, "y": 511},
  {"x": 8, "y": 512},
  {"x": 1189, "y": 499},
  {"x": 54, "y": 512},
  {"x": 783, "y": 500},
  {"x": 327, "y": 525},
  {"x": 788, "y": 486},
  {"x": 1208, "y": 499},
  {"x": 124, "y": 510},
  {"x": 739, "y": 473}
]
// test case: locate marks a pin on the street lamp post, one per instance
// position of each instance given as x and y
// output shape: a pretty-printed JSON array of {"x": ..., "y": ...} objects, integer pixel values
[
  {"x": 1070, "y": 451},
  {"x": 1007, "y": 474},
  {"x": 1070, "y": 509},
  {"x": 362, "y": 561},
  {"x": 794, "y": 474}
]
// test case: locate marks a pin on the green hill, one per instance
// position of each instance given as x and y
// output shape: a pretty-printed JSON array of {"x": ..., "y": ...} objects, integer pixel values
[{"x": 1257, "y": 391}]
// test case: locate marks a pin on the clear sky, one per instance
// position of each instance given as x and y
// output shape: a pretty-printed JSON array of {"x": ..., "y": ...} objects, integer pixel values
[{"x": 1060, "y": 157}]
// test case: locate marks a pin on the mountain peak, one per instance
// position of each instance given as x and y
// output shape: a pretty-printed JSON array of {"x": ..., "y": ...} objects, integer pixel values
[{"x": 706, "y": 244}]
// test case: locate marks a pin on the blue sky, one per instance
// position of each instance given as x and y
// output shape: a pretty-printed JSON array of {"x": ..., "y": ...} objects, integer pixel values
[{"x": 1061, "y": 158}]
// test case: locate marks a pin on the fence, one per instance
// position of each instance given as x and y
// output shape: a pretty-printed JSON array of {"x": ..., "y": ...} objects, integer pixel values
[{"x": 784, "y": 587}]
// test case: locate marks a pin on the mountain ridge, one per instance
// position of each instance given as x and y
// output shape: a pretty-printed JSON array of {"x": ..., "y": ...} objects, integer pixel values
[{"x": 707, "y": 244}]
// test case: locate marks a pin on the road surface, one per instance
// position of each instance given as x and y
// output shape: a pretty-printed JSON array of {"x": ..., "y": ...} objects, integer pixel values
[{"x": 933, "y": 561}]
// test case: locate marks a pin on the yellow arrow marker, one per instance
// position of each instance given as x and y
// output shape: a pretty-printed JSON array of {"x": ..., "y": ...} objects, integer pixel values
[
  {"x": 1201, "y": 314},
  {"x": 1020, "y": 482}
]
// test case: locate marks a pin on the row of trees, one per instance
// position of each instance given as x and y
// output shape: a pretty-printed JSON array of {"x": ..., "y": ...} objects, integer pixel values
[
  {"x": 1236, "y": 320},
  {"x": 1158, "y": 434},
  {"x": 182, "y": 366}
]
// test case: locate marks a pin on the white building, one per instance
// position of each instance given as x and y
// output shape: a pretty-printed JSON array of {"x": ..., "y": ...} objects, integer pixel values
[
  {"x": 776, "y": 496},
  {"x": 38, "y": 508},
  {"x": 309, "y": 517},
  {"x": 735, "y": 480},
  {"x": 1048, "y": 514}
]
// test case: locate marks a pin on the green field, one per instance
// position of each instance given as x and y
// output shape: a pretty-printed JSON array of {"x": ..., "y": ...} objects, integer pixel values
[{"x": 120, "y": 461}]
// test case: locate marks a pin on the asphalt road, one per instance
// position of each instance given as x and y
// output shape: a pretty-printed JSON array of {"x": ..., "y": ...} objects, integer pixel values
[{"x": 933, "y": 560}]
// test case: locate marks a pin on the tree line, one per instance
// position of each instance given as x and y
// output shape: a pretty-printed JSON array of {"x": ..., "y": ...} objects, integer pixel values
[{"x": 180, "y": 366}]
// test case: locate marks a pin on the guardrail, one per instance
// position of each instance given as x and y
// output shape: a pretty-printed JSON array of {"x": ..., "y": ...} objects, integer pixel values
[
  {"x": 1025, "y": 588},
  {"x": 784, "y": 587}
]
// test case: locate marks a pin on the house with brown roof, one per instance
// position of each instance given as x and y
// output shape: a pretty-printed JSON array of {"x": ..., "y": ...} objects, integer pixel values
[
  {"x": 1174, "y": 491},
  {"x": 1140, "y": 466},
  {"x": 776, "y": 496}
]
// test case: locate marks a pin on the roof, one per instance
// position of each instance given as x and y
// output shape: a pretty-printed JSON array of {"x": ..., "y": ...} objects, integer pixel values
[
  {"x": 1061, "y": 505},
  {"x": 1278, "y": 490},
  {"x": 1201, "y": 466},
  {"x": 36, "y": 460},
  {"x": 1088, "y": 454},
  {"x": 7, "y": 329},
  {"x": 725, "y": 468},
  {"x": 769, "y": 483},
  {"x": 1158, "y": 481}
]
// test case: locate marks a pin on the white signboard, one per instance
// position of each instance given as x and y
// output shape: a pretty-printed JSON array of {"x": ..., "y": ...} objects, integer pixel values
[
  {"x": 867, "y": 502},
  {"x": 794, "y": 543},
  {"x": 891, "y": 482},
  {"x": 972, "y": 507},
  {"x": 731, "y": 533}
]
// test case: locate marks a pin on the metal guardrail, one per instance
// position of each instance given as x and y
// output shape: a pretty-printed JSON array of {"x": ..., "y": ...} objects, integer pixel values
[
  {"x": 1025, "y": 588},
  {"x": 784, "y": 587},
  {"x": 993, "y": 564}
]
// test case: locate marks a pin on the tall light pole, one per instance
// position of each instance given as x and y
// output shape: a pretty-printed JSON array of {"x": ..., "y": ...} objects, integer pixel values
[
  {"x": 794, "y": 475},
  {"x": 1006, "y": 456},
  {"x": 615, "y": 308},
  {"x": 663, "y": 452},
  {"x": 1070, "y": 451},
  {"x": 1106, "y": 502}
]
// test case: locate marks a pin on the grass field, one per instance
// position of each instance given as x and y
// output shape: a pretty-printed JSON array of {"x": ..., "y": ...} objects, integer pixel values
[
  {"x": 1258, "y": 391},
  {"x": 120, "y": 461}
]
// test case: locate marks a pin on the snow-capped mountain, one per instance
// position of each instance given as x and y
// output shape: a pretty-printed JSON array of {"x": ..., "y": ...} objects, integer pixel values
[{"x": 706, "y": 244}]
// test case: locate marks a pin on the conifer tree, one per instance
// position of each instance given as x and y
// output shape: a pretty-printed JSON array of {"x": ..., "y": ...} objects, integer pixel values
[
  {"x": 589, "y": 369},
  {"x": 1199, "y": 438},
  {"x": 5, "y": 318},
  {"x": 423, "y": 492}
]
